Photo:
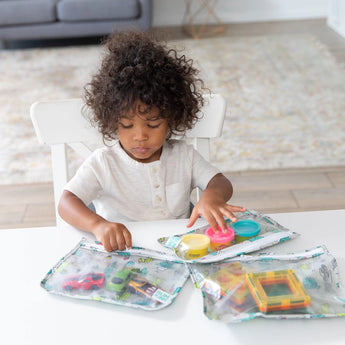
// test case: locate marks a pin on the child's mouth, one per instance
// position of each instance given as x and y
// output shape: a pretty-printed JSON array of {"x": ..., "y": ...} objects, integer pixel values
[{"x": 140, "y": 150}]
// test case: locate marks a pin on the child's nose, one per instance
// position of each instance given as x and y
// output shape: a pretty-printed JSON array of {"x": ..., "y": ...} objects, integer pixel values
[{"x": 140, "y": 134}]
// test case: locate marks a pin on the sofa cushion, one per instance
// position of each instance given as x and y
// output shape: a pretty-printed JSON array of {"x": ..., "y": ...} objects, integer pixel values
[
  {"x": 14, "y": 12},
  {"x": 88, "y": 10}
]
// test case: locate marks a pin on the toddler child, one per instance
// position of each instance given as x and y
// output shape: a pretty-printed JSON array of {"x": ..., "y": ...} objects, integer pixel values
[{"x": 142, "y": 94}]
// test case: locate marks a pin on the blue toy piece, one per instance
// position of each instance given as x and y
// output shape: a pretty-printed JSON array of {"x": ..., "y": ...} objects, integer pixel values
[{"x": 245, "y": 229}]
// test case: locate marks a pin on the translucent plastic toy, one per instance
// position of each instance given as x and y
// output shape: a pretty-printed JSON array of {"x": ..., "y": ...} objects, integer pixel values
[
  {"x": 277, "y": 290},
  {"x": 301, "y": 285},
  {"x": 253, "y": 231}
]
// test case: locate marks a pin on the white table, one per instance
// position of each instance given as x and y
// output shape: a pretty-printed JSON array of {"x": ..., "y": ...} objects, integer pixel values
[{"x": 30, "y": 315}]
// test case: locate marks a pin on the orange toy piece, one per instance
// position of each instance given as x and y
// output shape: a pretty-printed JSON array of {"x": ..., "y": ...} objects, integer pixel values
[
  {"x": 229, "y": 282},
  {"x": 277, "y": 290}
]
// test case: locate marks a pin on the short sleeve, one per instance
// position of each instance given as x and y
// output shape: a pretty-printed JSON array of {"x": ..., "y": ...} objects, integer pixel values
[
  {"x": 86, "y": 183},
  {"x": 202, "y": 171}
]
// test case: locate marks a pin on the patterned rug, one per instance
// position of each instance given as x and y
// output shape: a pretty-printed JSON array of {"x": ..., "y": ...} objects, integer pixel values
[{"x": 285, "y": 99}]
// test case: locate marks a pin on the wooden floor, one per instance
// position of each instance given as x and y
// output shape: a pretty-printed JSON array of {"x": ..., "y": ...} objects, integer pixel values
[{"x": 268, "y": 191}]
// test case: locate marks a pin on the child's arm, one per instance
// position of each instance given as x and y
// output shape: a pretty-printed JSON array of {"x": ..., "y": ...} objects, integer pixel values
[
  {"x": 212, "y": 204},
  {"x": 113, "y": 236}
]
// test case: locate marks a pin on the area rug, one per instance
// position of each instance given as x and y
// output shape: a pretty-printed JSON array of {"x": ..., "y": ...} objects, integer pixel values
[{"x": 285, "y": 101}]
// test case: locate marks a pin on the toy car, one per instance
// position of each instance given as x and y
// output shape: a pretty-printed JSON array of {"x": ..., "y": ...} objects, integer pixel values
[
  {"x": 118, "y": 281},
  {"x": 90, "y": 281},
  {"x": 142, "y": 286}
]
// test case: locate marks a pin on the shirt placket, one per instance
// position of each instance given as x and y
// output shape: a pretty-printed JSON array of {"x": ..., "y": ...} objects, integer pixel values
[{"x": 157, "y": 189}]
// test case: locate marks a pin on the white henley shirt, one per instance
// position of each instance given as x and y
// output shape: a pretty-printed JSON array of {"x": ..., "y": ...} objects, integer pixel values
[{"x": 123, "y": 189}]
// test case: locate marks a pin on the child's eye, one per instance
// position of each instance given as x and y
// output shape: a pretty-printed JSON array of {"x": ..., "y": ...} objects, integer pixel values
[
  {"x": 153, "y": 126},
  {"x": 125, "y": 126}
]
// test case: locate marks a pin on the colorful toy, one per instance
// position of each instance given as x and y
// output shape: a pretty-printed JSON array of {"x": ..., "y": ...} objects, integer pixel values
[
  {"x": 90, "y": 281},
  {"x": 119, "y": 281},
  {"x": 220, "y": 240},
  {"x": 229, "y": 283},
  {"x": 142, "y": 287},
  {"x": 277, "y": 290},
  {"x": 245, "y": 229},
  {"x": 194, "y": 246}
]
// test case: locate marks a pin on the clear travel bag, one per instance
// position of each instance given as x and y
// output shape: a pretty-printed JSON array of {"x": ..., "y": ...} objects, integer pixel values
[
  {"x": 139, "y": 278},
  {"x": 253, "y": 231},
  {"x": 301, "y": 285}
]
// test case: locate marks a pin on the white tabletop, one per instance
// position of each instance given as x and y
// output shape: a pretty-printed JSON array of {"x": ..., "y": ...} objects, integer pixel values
[{"x": 30, "y": 315}]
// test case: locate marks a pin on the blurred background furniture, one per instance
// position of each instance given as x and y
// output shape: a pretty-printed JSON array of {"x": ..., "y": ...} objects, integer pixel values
[
  {"x": 200, "y": 19},
  {"x": 46, "y": 19}
]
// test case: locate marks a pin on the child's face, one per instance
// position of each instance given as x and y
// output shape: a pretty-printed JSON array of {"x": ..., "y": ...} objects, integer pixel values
[{"x": 143, "y": 133}]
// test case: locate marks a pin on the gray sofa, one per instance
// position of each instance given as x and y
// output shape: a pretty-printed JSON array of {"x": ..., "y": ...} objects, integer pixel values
[{"x": 45, "y": 19}]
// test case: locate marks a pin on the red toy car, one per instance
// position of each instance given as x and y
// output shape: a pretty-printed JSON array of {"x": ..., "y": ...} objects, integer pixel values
[{"x": 90, "y": 281}]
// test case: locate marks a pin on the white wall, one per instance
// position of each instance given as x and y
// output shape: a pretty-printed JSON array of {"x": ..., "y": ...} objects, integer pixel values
[
  {"x": 336, "y": 16},
  {"x": 170, "y": 12}
]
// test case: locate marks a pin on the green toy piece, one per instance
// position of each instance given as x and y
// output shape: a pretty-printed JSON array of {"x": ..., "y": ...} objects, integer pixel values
[{"x": 118, "y": 281}]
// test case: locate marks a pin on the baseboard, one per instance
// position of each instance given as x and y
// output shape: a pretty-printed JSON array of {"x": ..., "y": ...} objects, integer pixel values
[{"x": 336, "y": 27}]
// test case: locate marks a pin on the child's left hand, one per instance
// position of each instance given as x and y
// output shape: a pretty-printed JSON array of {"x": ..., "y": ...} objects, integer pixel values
[{"x": 213, "y": 207}]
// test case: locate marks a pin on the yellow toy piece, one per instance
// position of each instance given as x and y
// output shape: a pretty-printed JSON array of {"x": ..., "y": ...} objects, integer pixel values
[
  {"x": 277, "y": 290},
  {"x": 229, "y": 282},
  {"x": 194, "y": 246}
]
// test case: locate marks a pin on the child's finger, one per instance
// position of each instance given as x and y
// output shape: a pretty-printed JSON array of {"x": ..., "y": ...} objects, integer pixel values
[
  {"x": 107, "y": 243},
  {"x": 222, "y": 223},
  {"x": 128, "y": 238},
  {"x": 237, "y": 208},
  {"x": 228, "y": 212},
  {"x": 113, "y": 242},
  {"x": 231, "y": 216},
  {"x": 193, "y": 217},
  {"x": 121, "y": 244},
  {"x": 212, "y": 221}
]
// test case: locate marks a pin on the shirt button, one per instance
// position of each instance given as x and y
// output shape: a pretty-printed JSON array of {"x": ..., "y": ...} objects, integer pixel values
[
  {"x": 157, "y": 185},
  {"x": 158, "y": 198}
]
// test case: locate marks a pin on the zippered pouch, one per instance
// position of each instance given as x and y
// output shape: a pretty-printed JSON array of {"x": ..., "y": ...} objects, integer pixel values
[
  {"x": 252, "y": 232},
  {"x": 139, "y": 278},
  {"x": 300, "y": 285}
]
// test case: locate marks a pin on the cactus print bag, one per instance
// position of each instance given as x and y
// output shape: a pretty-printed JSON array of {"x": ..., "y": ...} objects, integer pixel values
[
  {"x": 138, "y": 278},
  {"x": 278, "y": 286},
  {"x": 253, "y": 231}
]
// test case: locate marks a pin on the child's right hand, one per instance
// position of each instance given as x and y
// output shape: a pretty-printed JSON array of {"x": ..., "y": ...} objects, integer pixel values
[{"x": 113, "y": 236}]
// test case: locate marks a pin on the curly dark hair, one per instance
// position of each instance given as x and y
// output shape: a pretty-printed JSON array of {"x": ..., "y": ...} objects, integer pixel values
[{"x": 137, "y": 67}]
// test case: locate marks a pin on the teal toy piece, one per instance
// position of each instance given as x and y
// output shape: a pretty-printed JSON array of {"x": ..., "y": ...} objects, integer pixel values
[{"x": 245, "y": 229}]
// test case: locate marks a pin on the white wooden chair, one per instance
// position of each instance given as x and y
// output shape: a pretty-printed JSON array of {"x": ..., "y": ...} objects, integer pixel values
[{"x": 59, "y": 123}]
